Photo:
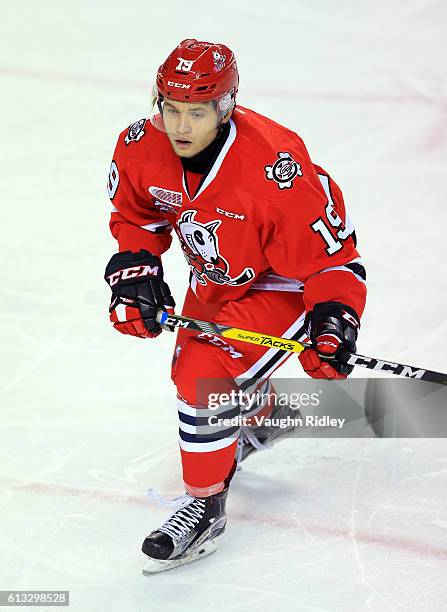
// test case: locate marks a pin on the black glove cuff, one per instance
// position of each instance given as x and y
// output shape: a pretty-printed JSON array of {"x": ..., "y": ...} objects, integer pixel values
[
  {"x": 340, "y": 320},
  {"x": 333, "y": 317}
]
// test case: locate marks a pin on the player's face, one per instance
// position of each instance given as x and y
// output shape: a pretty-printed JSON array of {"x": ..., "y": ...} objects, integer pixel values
[{"x": 190, "y": 127}]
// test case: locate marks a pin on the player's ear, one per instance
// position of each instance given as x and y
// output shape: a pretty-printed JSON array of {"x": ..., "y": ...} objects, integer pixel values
[{"x": 226, "y": 118}]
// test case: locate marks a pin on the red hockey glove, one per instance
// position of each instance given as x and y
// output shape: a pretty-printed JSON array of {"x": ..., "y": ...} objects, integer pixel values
[
  {"x": 332, "y": 329},
  {"x": 138, "y": 291}
]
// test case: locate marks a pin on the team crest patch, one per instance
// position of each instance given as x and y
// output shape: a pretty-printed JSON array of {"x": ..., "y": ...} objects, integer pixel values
[
  {"x": 200, "y": 246},
  {"x": 219, "y": 61},
  {"x": 135, "y": 131},
  {"x": 165, "y": 200},
  {"x": 284, "y": 171}
]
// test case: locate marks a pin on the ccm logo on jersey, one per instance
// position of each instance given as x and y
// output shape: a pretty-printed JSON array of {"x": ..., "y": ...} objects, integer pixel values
[
  {"x": 230, "y": 214},
  {"x": 133, "y": 272},
  {"x": 178, "y": 85}
]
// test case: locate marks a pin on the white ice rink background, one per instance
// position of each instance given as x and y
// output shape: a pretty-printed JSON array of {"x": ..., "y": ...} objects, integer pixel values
[{"x": 88, "y": 418}]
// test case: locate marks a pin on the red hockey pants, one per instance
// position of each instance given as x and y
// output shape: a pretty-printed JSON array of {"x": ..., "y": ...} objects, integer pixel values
[{"x": 205, "y": 363}]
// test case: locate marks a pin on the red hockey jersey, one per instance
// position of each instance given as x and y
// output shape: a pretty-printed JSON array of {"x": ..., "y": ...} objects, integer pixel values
[{"x": 264, "y": 217}]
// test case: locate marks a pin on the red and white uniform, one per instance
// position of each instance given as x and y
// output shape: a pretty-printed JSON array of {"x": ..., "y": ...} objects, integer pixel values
[{"x": 266, "y": 237}]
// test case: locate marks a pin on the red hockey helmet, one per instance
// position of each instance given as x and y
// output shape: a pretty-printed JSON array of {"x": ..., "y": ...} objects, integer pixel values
[{"x": 197, "y": 71}]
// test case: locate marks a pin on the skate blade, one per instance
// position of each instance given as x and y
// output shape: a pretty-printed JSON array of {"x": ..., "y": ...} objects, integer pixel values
[{"x": 155, "y": 566}]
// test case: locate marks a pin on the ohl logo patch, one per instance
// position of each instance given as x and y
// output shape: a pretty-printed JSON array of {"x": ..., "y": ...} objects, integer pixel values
[
  {"x": 200, "y": 246},
  {"x": 284, "y": 171}
]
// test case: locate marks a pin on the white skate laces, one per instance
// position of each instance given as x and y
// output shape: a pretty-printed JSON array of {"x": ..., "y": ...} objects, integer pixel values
[
  {"x": 247, "y": 436},
  {"x": 184, "y": 519}
]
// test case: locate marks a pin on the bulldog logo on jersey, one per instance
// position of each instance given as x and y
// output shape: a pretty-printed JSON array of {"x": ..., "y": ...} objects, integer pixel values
[
  {"x": 135, "y": 131},
  {"x": 283, "y": 171},
  {"x": 200, "y": 246}
]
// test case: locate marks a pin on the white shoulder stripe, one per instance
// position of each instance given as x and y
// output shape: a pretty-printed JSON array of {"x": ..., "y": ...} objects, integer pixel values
[
  {"x": 345, "y": 269},
  {"x": 324, "y": 180},
  {"x": 276, "y": 282}
]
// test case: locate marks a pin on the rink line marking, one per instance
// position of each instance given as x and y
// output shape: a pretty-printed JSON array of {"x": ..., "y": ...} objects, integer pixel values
[
  {"x": 385, "y": 540},
  {"x": 139, "y": 85}
]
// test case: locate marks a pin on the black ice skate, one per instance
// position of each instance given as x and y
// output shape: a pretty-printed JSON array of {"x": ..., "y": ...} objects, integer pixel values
[
  {"x": 187, "y": 535},
  {"x": 264, "y": 436}
]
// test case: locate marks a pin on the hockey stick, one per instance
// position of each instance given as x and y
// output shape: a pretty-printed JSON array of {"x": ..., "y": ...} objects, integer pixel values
[{"x": 172, "y": 322}]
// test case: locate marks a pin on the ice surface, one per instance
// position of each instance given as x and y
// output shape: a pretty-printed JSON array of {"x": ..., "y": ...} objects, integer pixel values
[{"x": 88, "y": 419}]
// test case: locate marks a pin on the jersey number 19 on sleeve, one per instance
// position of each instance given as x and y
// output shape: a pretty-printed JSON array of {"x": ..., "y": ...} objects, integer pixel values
[{"x": 321, "y": 226}]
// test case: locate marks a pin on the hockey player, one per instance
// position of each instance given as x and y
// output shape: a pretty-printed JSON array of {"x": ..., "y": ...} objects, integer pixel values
[{"x": 269, "y": 247}]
